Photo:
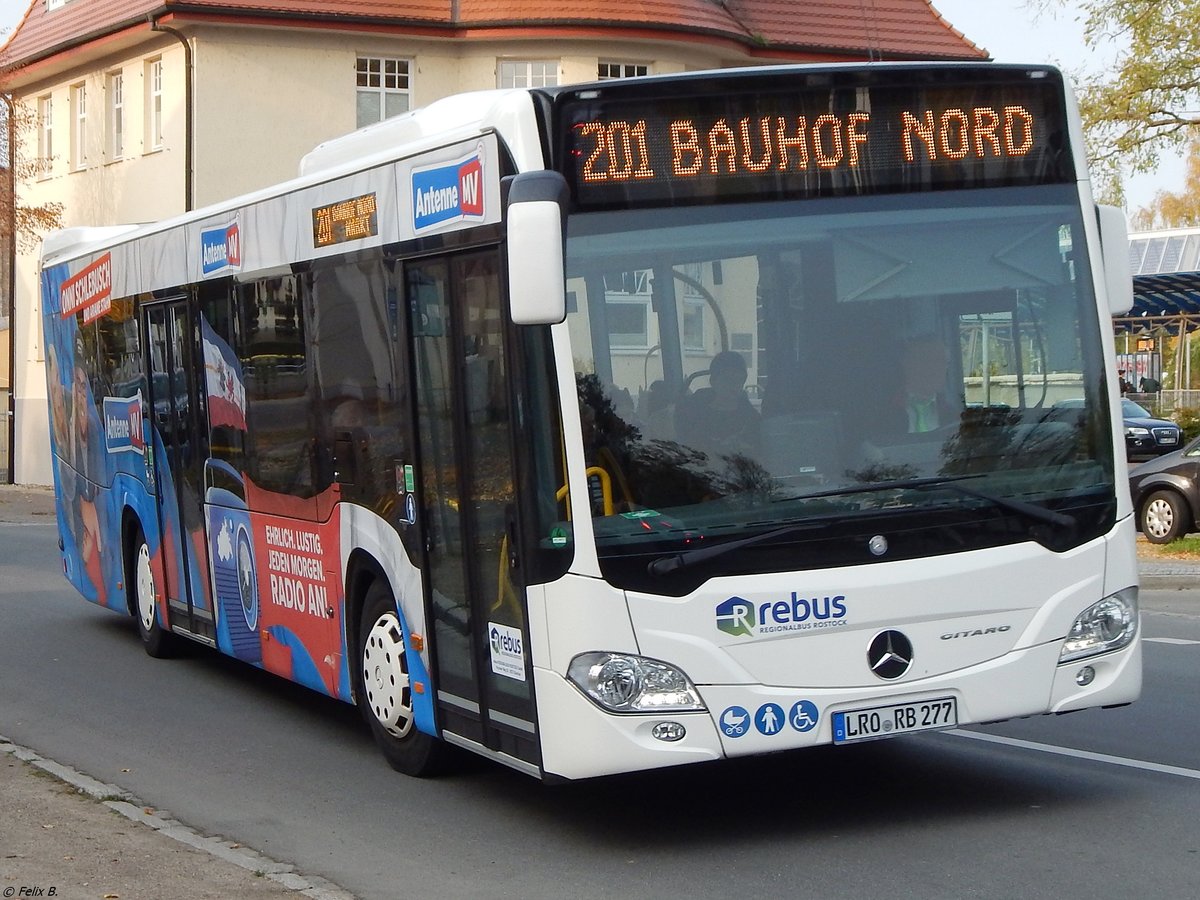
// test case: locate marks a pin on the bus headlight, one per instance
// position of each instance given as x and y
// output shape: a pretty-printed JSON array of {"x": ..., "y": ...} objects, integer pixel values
[
  {"x": 624, "y": 683},
  {"x": 1105, "y": 626}
]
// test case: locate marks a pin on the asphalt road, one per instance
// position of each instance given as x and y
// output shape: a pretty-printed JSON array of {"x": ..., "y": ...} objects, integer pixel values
[{"x": 1097, "y": 804}]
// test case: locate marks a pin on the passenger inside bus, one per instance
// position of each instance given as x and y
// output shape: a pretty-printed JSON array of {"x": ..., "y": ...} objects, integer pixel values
[
  {"x": 656, "y": 407},
  {"x": 719, "y": 419}
]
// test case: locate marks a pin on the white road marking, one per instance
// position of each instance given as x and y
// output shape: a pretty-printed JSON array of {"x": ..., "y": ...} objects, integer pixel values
[
  {"x": 1179, "y": 641},
  {"x": 1079, "y": 754}
]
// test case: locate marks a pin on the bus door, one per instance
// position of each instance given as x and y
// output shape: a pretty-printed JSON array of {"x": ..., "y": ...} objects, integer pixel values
[
  {"x": 176, "y": 382},
  {"x": 465, "y": 506}
]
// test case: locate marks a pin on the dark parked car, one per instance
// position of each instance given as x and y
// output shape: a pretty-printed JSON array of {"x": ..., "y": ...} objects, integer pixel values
[
  {"x": 1146, "y": 436},
  {"x": 1166, "y": 494}
]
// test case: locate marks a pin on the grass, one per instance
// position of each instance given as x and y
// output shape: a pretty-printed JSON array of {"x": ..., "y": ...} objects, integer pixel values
[{"x": 1187, "y": 547}]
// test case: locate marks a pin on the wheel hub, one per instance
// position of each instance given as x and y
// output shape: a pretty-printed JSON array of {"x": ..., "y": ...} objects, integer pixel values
[
  {"x": 145, "y": 588},
  {"x": 1159, "y": 518},
  {"x": 385, "y": 675}
]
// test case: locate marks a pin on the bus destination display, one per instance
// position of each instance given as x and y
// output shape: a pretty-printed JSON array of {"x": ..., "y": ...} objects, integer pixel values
[
  {"x": 346, "y": 220},
  {"x": 811, "y": 143}
]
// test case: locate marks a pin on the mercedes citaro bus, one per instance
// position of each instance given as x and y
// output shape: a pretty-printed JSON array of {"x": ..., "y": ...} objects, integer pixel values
[{"x": 623, "y": 425}]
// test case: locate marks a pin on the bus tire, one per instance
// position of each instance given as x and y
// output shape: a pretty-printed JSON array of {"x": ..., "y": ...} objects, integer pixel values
[
  {"x": 384, "y": 689},
  {"x": 143, "y": 592}
]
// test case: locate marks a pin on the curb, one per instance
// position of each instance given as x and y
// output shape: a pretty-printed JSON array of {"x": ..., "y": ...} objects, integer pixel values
[
  {"x": 1171, "y": 582},
  {"x": 125, "y": 804}
]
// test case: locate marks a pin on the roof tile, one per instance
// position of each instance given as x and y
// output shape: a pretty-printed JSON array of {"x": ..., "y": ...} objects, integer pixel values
[
  {"x": 703, "y": 15},
  {"x": 911, "y": 28}
]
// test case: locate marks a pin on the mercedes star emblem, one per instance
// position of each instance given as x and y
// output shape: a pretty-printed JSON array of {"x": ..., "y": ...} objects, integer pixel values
[{"x": 890, "y": 654}]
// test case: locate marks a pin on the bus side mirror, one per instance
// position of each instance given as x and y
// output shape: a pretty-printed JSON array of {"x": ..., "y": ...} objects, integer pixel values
[
  {"x": 536, "y": 213},
  {"x": 1114, "y": 252}
]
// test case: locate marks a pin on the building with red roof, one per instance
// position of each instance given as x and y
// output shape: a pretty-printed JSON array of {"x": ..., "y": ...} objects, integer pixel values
[{"x": 142, "y": 109}]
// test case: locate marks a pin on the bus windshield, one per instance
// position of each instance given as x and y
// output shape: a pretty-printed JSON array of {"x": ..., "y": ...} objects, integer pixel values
[{"x": 798, "y": 384}]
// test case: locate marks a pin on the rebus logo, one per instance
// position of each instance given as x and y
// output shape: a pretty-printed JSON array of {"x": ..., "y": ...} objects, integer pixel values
[
  {"x": 506, "y": 641},
  {"x": 738, "y": 616}
]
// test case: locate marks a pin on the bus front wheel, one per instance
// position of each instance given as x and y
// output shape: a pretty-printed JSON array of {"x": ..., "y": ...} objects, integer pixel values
[
  {"x": 139, "y": 576},
  {"x": 385, "y": 688}
]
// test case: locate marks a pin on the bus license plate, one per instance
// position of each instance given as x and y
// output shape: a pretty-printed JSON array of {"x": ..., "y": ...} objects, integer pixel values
[{"x": 888, "y": 721}]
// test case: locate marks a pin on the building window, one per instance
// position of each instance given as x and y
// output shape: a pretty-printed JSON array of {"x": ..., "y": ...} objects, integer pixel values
[
  {"x": 383, "y": 88},
  {"x": 154, "y": 104},
  {"x": 116, "y": 115},
  {"x": 628, "y": 298},
  {"x": 45, "y": 107},
  {"x": 608, "y": 69},
  {"x": 693, "y": 324},
  {"x": 78, "y": 126},
  {"x": 692, "y": 280},
  {"x": 528, "y": 73}
]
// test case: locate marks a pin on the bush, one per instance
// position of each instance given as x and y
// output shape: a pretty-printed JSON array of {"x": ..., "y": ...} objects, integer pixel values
[{"x": 1188, "y": 418}]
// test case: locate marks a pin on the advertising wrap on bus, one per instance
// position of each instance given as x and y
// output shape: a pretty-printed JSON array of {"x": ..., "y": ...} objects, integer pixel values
[
  {"x": 793, "y": 468},
  {"x": 220, "y": 249},
  {"x": 449, "y": 193}
]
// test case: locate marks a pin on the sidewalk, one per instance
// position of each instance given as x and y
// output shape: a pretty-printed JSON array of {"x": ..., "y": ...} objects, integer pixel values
[
  {"x": 66, "y": 836},
  {"x": 54, "y": 833},
  {"x": 61, "y": 830},
  {"x": 22, "y": 503}
]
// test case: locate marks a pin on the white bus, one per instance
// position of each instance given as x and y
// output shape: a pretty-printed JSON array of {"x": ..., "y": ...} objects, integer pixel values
[{"x": 624, "y": 425}]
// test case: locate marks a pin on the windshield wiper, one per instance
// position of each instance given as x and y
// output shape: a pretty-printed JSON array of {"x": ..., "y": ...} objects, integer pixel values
[
  {"x": 951, "y": 482},
  {"x": 876, "y": 487},
  {"x": 1029, "y": 510},
  {"x": 667, "y": 564},
  {"x": 664, "y": 565}
]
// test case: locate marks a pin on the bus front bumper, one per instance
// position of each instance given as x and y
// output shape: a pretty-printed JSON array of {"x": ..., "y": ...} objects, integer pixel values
[{"x": 579, "y": 740}]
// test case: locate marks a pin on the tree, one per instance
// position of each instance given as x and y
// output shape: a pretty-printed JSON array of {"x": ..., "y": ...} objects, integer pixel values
[
  {"x": 1175, "y": 210},
  {"x": 1147, "y": 101},
  {"x": 27, "y": 223}
]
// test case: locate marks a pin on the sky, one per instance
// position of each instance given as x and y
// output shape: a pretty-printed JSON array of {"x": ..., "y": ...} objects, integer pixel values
[
  {"x": 11, "y": 12},
  {"x": 1015, "y": 31},
  {"x": 1011, "y": 30}
]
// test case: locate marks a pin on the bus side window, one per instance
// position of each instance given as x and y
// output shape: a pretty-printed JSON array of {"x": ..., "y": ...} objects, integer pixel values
[
  {"x": 273, "y": 354},
  {"x": 361, "y": 430}
]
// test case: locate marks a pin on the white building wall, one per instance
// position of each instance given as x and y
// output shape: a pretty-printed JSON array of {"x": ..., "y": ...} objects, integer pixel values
[
  {"x": 249, "y": 136},
  {"x": 263, "y": 98},
  {"x": 262, "y": 101},
  {"x": 143, "y": 186}
]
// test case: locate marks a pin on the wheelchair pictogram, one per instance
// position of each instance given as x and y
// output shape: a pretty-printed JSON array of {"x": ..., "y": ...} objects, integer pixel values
[{"x": 803, "y": 715}]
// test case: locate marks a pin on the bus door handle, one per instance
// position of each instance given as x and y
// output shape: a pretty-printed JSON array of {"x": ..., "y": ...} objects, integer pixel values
[{"x": 510, "y": 538}]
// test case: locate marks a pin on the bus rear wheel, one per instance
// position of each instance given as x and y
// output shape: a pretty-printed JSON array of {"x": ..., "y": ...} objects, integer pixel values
[
  {"x": 139, "y": 576},
  {"x": 385, "y": 688}
]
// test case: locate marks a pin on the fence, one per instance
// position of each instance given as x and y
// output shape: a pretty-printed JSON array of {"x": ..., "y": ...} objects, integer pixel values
[{"x": 1167, "y": 403}]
